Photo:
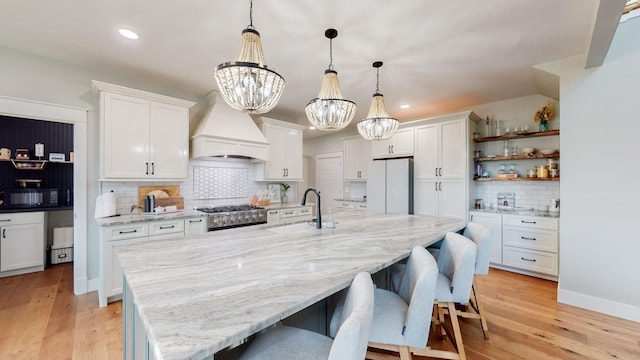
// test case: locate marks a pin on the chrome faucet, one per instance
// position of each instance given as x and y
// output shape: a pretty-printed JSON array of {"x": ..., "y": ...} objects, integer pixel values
[{"x": 318, "y": 215}]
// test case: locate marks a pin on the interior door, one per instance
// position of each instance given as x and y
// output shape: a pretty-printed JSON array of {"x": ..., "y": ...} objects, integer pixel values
[{"x": 328, "y": 180}]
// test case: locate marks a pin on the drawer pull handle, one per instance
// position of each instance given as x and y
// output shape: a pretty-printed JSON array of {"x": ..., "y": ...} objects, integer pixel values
[
  {"x": 167, "y": 227},
  {"x": 526, "y": 238},
  {"x": 5, "y": 219},
  {"x": 195, "y": 221},
  {"x": 527, "y": 222},
  {"x": 128, "y": 232},
  {"x": 525, "y": 259},
  {"x": 288, "y": 212}
]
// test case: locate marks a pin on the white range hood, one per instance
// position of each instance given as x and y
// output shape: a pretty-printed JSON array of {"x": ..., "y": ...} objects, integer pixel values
[{"x": 227, "y": 132}]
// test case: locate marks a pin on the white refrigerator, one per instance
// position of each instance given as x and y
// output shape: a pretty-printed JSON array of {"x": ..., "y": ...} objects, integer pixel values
[{"x": 390, "y": 186}]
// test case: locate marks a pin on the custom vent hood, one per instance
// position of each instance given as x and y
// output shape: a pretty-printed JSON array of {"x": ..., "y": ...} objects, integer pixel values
[{"x": 227, "y": 132}]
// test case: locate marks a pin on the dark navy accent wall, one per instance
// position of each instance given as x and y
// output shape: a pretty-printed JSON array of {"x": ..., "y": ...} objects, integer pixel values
[{"x": 19, "y": 133}]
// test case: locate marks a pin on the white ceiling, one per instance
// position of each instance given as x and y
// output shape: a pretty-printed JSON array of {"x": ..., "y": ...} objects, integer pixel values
[{"x": 438, "y": 56}]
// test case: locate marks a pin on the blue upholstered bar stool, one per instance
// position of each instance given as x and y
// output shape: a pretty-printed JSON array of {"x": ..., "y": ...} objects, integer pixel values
[
  {"x": 483, "y": 237},
  {"x": 353, "y": 322},
  {"x": 456, "y": 266},
  {"x": 401, "y": 321}
]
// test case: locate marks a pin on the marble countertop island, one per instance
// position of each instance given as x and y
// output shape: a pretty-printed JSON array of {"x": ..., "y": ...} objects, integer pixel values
[{"x": 197, "y": 296}]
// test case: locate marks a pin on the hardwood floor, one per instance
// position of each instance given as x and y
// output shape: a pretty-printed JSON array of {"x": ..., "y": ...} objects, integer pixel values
[{"x": 40, "y": 318}]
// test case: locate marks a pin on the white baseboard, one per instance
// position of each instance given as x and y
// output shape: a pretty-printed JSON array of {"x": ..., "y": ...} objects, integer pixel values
[{"x": 609, "y": 307}]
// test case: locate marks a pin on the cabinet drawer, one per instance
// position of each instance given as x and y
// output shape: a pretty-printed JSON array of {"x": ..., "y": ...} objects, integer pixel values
[
  {"x": 544, "y": 240},
  {"x": 286, "y": 213},
  {"x": 533, "y": 222},
  {"x": 166, "y": 227},
  {"x": 304, "y": 211},
  {"x": 21, "y": 218},
  {"x": 125, "y": 231},
  {"x": 361, "y": 206},
  {"x": 345, "y": 205},
  {"x": 532, "y": 260}
]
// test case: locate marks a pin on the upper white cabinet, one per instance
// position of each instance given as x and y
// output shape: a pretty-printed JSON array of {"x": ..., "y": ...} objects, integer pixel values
[
  {"x": 442, "y": 165},
  {"x": 357, "y": 155},
  {"x": 399, "y": 145},
  {"x": 285, "y": 151},
  {"x": 144, "y": 136}
]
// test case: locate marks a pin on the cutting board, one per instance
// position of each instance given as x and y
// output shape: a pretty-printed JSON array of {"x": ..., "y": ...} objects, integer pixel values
[
  {"x": 172, "y": 191},
  {"x": 177, "y": 201}
]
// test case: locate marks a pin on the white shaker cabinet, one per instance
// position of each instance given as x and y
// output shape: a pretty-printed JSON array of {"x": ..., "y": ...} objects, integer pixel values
[
  {"x": 285, "y": 151},
  {"x": 494, "y": 222},
  {"x": 401, "y": 144},
  {"x": 144, "y": 136},
  {"x": 22, "y": 245},
  {"x": 530, "y": 244},
  {"x": 443, "y": 164},
  {"x": 357, "y": 155}
]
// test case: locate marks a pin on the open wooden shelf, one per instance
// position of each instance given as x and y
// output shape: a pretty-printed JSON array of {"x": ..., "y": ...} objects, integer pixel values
[
  {"x": 516, "y": 179},
  {"x": 518, "y": 136},
  {"x": 555, "y": 155}
]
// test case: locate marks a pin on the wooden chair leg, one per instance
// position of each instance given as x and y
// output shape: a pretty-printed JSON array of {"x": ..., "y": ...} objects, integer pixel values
[
  {"x": 405, "y": 353},
  {"x": 443, "y": 333},
  {"x": 453, "y": 315},
  {"x": 480, "y": 309}
]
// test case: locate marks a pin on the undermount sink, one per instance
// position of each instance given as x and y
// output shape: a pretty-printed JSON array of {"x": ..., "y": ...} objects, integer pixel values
[{"x": 293, "y": 228}]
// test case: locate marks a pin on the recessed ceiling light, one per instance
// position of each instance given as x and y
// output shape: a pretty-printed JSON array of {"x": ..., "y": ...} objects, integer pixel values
[
  {"x": 312, "y": 127},
  {"x": 128, "y": 34},
  {"x": 405, "y": 106}
]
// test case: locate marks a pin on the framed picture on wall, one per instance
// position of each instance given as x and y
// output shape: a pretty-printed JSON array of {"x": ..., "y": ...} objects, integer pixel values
[{"x": 274, "y": 192}]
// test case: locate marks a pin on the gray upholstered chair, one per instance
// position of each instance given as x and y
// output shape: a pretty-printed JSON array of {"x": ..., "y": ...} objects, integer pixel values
[
  {"x": 456, "y": 266},
  {"x": 401, "y": 321},
  {"x": 353, "y": 323},
  {"x": 482, "y": 236}
]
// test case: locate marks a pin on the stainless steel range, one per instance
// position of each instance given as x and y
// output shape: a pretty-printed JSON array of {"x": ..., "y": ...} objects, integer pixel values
[{"x": 225, "y": 217}]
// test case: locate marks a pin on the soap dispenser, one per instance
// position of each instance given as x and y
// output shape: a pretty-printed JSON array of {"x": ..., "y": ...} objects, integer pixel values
[{"x": 330, "y": 224}]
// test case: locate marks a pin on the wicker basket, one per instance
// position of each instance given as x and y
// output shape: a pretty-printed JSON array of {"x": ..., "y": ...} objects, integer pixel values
[{"x": 60, "y": 256}]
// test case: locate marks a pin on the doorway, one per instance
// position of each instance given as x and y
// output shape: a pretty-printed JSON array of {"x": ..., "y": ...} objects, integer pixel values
[{"x": 329, "y": 179}]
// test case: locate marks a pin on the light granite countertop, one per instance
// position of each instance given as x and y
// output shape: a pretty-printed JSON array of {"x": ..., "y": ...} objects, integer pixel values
[
  {"x": 523, "y": 212},
  {"x": 133, "y": 218},
  {"x": 352, "y": 200},
  {"x": 203, "y": 294}
]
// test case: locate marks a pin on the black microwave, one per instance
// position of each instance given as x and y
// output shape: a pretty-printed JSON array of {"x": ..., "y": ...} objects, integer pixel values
[{"x": 31, "y": 198}]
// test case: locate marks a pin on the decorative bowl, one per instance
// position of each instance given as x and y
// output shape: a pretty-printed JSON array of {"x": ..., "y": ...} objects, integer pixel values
[
  {"x": 528, "y": 150},
  {"x": 548, "y": 151}
]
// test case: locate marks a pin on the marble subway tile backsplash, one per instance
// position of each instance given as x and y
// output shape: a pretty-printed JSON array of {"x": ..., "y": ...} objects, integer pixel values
[{"x": 533, "y": 194}]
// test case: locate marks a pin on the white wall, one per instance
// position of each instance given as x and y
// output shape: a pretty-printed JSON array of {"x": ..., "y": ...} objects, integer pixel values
[
  {"x": 30, "y": 77},
  {"x": 600, "y": 247}
]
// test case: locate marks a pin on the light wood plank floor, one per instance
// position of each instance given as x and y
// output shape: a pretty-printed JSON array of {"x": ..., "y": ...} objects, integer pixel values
[{"x": 40, "y": 318}]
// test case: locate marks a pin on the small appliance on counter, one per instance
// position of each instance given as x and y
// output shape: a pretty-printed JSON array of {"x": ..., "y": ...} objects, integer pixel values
[
  {"x": 554, "y": 205},
  {"x": 106, "y": 205},
  {"x": 30, "y": 198}
]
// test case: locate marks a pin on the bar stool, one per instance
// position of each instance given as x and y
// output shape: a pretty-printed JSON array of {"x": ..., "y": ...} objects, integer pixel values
[{"x": 350, "y": 342}]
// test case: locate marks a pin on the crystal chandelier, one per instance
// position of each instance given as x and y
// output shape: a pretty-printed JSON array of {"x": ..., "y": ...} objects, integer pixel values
[
  {"x": 247, "y": 84},
  {"x": 378, "y": 125},
  {"x": 330, "y": 111}
]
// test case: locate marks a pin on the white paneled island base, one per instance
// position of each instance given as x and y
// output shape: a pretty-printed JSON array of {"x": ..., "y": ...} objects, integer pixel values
[{"x": 190, "y": 298}]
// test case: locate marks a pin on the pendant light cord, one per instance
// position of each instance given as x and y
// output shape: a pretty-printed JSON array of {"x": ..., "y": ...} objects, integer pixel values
[
  {"x": 250, "y": 15},
  {"x": 330, "y": 54},
  {"x": 377, "y": 80}
]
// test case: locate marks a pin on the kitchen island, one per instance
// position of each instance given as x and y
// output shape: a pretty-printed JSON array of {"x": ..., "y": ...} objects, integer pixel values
[{"x": 190, "y": 298}]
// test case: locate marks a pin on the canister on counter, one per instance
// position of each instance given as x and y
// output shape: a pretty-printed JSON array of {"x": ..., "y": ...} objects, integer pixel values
[{"x": 478, "y": 204}]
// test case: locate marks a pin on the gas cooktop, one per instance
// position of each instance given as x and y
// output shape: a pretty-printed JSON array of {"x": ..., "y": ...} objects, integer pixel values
[{"x": 224, "y": 217}]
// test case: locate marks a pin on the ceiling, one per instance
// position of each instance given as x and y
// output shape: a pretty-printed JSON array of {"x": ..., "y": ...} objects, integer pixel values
[{"x": 439, "y": 56}]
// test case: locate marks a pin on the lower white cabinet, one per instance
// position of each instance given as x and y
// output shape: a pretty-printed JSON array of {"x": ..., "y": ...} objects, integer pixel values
[
  {"x": 351, "y": 205},
  {"x": 289, "y": 215},
  {"x": 440, "y": 198},
  {"x": 22, "y": 243},
  {"x": 494, "y": 222},
  {"x": 126, "y": 234},
  {"x": 523, "y": 244}
]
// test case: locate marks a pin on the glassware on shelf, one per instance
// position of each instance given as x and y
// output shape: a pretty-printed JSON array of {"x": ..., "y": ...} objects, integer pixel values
[
  {"x": 498, "y": 128},
  {"x": 503, "y": 169},
  {"x": 514, "y": 150},
  {"x": 506, "y": 148},
  {"x": 512, "y": 168}
]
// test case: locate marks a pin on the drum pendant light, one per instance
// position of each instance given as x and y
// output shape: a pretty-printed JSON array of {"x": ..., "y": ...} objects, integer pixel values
[
  {"x": 378, "y": 125},
  {"x": 247, "y": 84},
  {"x": 330, "y": 111}
]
